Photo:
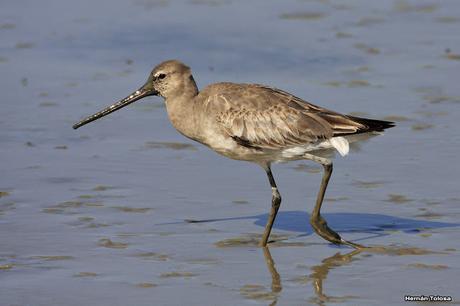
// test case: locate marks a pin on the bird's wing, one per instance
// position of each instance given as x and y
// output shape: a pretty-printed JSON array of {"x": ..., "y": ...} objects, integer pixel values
[
  {"x": 339, "y": 123},
  {"x": 262, "y": 117}
]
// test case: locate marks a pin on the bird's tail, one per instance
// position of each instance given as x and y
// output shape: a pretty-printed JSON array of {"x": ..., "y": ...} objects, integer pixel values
[{"x": 372, "y": 125}]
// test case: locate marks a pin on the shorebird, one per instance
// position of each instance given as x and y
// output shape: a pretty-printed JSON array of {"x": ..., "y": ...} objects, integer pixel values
[{"x": 254, "y": 123}]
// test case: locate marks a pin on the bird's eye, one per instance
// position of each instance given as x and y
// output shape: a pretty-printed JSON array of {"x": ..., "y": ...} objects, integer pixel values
[{"x": 161, "y": 76}]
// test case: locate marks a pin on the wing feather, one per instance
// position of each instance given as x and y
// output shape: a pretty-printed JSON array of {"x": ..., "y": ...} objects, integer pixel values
[{"x": 264, "y": 117}]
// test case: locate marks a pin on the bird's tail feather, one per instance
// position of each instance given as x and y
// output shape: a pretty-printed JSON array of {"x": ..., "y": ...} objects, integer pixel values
[{"x": 372, "y": 125}]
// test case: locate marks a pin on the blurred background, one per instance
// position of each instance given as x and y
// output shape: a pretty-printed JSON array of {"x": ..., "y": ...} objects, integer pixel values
[{"x": 102, "y": 215}]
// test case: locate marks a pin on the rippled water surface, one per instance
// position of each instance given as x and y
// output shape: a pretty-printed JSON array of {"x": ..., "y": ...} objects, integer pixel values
[{"x": 106, "y": 215}]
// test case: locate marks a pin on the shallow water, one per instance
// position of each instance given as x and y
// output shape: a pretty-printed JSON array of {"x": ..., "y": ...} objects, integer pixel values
[{"x": 108, "y": 214}]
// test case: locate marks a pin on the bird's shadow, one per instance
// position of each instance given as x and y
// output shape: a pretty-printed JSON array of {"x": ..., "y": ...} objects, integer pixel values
[
  {"x": 375, "y": 224},
  {"x": 298, "y": 221}
]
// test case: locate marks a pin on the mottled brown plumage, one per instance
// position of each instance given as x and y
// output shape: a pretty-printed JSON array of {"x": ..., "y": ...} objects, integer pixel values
[
  {"x": 254, "y": 123},
  {"x": 270, "y": 118}
]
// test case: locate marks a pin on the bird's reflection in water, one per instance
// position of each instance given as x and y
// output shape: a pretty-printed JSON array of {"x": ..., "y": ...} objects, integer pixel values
[
  {"x": 317, "y": 277},
  {"x": 276, "y": 279},
  {"x": 320, "y": 272}
]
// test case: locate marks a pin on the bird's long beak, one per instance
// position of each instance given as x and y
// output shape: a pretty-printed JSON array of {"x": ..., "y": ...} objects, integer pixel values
[{"x": 144, "y": 91}]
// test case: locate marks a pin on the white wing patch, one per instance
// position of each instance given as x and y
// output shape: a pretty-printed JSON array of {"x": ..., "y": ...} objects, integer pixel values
[
  {"x": 294, "y": 152},
  {"x": 340, "y": 144}
]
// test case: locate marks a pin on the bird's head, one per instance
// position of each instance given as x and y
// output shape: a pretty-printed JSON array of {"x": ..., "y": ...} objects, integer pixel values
[{"x": 169, "y": 79}]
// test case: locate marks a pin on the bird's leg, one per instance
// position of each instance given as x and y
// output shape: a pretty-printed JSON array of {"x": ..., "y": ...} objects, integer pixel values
[
  {"x": 276, "y": 202},
  {"x": 318, "y": 223}
]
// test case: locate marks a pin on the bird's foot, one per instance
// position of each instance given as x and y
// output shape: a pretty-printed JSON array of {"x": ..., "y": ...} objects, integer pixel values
[{"x": 321, "y": 228}]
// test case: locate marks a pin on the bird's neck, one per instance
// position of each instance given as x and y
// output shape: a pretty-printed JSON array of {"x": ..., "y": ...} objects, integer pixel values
[{"x": 182, "y": 114}]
